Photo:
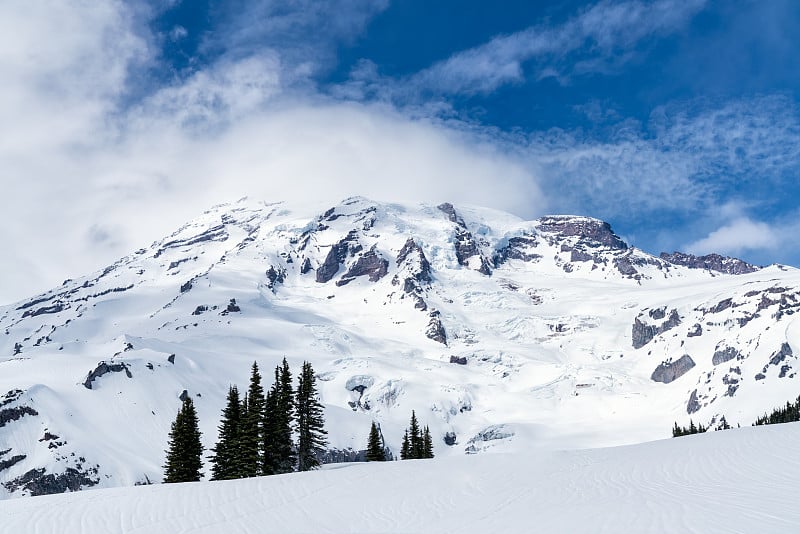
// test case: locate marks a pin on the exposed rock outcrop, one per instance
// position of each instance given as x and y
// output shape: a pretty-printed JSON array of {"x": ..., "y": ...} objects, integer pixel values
[
  {"x": 592, "y": 232},
  {"x": 275, "y": 276},
  {"x": 369, "y": 264},
  {"x": 336, "y": 255},
  {"x": 435, "y": 330},
  {"x": 693, "y": 405},
  {"x": 38, "y": 482},
  {"x": 711, "y": 262},
  {"x": 726, "y": 354},
  {"x": 104, "y": 368},
  {"x": 15, "y": 413},
  {"x": 518, "y": 248},
  {"x": 642, "y": 333},
  {"x": 667, "y": 372}
]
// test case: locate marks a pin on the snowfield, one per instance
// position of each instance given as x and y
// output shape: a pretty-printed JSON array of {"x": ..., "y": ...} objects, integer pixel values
[{"x": 742, "y": 480}]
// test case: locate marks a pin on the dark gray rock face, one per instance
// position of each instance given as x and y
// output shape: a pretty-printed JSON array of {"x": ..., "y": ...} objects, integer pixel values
[
  {"x": 412, "y": 260},
  {"x": 460, "y": 360},
  {"x": 697, "y": 330},
  {"x": 642, "y": 333},
  {"x": 435, "y": 330},
  {"x": 411, "y": 252},
  {"x": 217, "y": 233},
  {"x": 591, "y": 231},
  {"x": 465, "y": 244},
  {"x": 369, "y": 264},
  {"x": 336, "y": 255},
  {"x": 104, "y": 368},
  {"x": 275, "y": 276},
  {"x": 667, "y": 372},
  {"x": 450, "y": 438},
  {"x": 711, "y": 262},
  {"x": 9, "y": 462},
  {"x": 725, "y": 355},
  {"x": 518, "y": 248},
  {"x": 693, "y": 405},
  {"x": 781, "y": 354},
  {"x": 306, "y": 266},
  {"x": 183, "y": 396},
  {"x": 579, "y": 255},
  {"x": 8, "y": 415},
  {"x": 55, "y": 308},
  {"x": 658, "y": 313},
  {"x": 466, "y": 248},
  {"x": 39, "y": 482},
  {"x": 450, "y": 211}
]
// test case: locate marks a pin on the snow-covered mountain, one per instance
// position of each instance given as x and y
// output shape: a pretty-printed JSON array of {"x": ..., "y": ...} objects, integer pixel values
[{"x": 499, "y": 332}]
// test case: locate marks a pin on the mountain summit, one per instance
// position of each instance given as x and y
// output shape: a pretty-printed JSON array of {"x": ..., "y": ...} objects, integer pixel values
[{"x": 500, "y": 333}]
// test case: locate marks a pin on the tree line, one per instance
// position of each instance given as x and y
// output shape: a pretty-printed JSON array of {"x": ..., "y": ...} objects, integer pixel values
[
  {"x": 417, "y": 443},
  {"x": 255, "y": 433},
  {"x": 785, "y": 414}
]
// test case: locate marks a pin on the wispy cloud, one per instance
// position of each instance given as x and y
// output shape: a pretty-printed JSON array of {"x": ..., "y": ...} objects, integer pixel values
[
  {"x": 685, "y": 160},
  {"x": 597, "y": 38}
]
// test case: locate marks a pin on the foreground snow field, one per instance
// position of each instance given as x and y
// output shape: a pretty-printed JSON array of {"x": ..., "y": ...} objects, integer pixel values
[{"x": 742, "y": 480}]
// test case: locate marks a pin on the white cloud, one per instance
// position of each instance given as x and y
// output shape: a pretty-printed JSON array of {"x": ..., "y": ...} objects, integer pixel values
[
  {"x": 86, "y": 180},
  {"x": 738, "y": 236},
  {"x": 601, "y": 37}
]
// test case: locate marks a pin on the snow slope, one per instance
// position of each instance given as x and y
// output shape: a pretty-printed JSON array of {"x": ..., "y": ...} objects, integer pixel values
[
  {"x": 741, "y": 480},
  {"x": 550, "y": 333}
]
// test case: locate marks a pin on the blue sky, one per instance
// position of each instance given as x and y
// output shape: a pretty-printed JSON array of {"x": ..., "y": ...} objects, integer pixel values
[{"x": 675, "y": 120}]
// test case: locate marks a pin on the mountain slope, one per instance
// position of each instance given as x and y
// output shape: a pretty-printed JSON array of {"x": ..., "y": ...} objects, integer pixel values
[{"x": 551, "y": 332}]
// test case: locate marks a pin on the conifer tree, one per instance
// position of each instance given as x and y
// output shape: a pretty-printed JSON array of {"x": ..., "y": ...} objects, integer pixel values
[
  {"x": 224, "y": 464},
  {"x": 375, "y": 451},
  {"x": 427, "y": 443},
  {"x": 268, "y": 454},
  {"x": 405, "y": 450},
  {"x": 184, "y": 449},
  {"x": 310, "y": 421},
  {"x": 252, "y": 428},
  {"x": 279, "y": 456},
  {"x": 415, "y": 436}
]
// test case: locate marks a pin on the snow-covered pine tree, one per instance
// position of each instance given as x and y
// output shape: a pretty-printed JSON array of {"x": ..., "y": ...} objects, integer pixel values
[
  {"x": 251, "y": 428},
  {"x": 310, "y": 421},
  {"x": 184, "y": 449},
  {"x": 224, "y": 458},
  {"x": 375, "y": 451}
]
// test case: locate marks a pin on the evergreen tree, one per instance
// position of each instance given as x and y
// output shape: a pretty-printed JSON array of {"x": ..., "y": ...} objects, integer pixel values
[
  {"x": 427, "y": 443},
  {"x": 415, "y": 436},
  {"x": 224, "y": 465},
  {"x": 184, "y": 450},
  {"x": 268, "y": 453},
  {"x": 310, "y": 422},
  {"x": 405, "y": 450},
  {"x": 279, "y": 455},
  {"x": 252, "y": 428},
  {"x": 375, "y": 451}
]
